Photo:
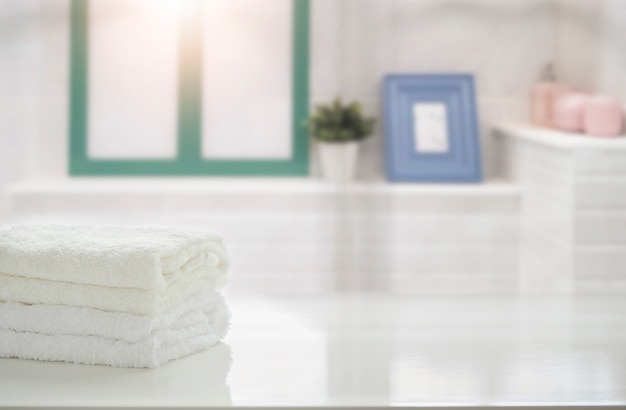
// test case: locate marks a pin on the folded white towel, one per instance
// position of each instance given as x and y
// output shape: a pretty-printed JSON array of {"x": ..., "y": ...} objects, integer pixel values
[
  {"x": 125, "y": 300},
  {"x": 150, "y": 352},
  {"x": 119, "y": 257},
  {"x": 81, "y": 321}
]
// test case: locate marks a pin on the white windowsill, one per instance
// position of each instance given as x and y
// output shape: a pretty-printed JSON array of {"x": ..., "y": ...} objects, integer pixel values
[{"x": 246, "y": 185}]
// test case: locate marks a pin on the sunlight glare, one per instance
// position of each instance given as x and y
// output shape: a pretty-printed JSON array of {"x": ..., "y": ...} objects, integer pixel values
[{"x": 181, "y": 9}]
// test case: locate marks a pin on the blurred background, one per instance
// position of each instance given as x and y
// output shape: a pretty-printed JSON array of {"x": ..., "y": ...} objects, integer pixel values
[
  {"x": 193, "y": 113},
  {"x": 134, "y": 71}
]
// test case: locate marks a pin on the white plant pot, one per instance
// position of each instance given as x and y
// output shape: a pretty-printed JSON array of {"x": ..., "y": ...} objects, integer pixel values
[{"x": 339, "y": 160}]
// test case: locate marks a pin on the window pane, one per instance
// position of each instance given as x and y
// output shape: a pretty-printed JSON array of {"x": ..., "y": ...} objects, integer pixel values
[
  {"x": 133, "y": 79},
  {"x": 247, "y": 79}
]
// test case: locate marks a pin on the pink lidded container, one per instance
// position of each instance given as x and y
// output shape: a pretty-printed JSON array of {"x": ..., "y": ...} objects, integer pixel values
[
  {"x": 603, "y": 116},
  {"x": 569, "y": 111}
]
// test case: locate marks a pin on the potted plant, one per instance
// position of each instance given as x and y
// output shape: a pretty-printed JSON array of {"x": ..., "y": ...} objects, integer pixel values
[{"x": 338, "y": 128}]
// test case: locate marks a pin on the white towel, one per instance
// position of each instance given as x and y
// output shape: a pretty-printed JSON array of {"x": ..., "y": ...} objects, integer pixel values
[
  {"x": 152, "y": 351},
  {"x": 126, "y": 300},
  {"x": 119, "y": 257},
  {"x": 81, "y": 321}
]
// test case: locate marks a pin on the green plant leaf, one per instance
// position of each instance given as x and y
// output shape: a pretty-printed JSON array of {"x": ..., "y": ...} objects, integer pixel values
[{"x": 336, "y": 122}]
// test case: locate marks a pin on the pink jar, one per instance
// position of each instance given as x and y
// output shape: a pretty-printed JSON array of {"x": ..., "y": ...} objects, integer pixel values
[
  {"x": 543, "y": 98},
  {"x": 604, "y": 116},
  {"x": 569, "y": 112}
]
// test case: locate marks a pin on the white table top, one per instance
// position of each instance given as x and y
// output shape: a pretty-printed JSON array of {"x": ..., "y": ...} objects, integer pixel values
[{"x": 366, "y": 351}]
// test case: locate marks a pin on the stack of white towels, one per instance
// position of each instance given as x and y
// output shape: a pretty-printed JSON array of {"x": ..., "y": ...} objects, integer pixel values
[{"x": 118, "y": 296}]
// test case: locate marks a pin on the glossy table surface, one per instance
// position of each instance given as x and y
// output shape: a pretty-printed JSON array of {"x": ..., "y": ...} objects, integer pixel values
[{"x": 375, "y": 351}]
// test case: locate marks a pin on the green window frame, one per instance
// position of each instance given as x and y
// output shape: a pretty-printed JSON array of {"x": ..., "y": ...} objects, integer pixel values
[{"x": 189, "y": 161}]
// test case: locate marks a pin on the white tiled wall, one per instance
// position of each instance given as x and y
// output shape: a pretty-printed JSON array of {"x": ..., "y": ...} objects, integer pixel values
[
  {"x": 299, "y": 239},
  {"x": 612, "y": 64},
  {"x": 592, "y": 45},
  {"x": 19, "y": 90},
  {"x": 579, "y": 31}
]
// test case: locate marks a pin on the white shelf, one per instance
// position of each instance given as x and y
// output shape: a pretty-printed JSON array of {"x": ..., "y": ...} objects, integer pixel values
[
  {"x": 558, "y": 139},
  {"x": 225, "y": 195},
  {"x": 245, "y": 185}
]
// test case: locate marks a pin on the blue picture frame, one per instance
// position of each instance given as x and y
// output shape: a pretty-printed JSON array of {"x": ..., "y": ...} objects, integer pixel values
[{"x": 431, "y": 127}]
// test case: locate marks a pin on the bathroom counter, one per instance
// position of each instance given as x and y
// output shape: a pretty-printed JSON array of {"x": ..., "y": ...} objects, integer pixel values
[{"x": 372, "y": 351}]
